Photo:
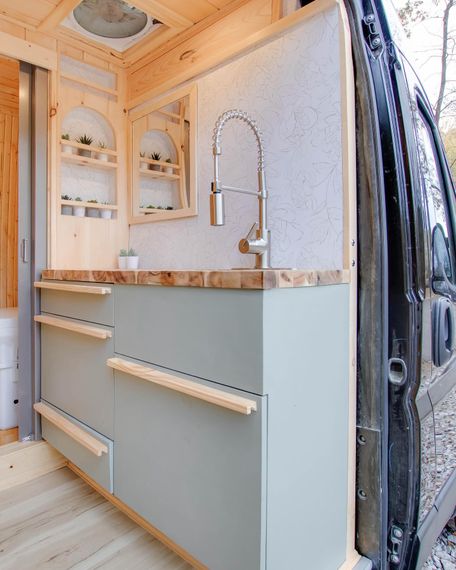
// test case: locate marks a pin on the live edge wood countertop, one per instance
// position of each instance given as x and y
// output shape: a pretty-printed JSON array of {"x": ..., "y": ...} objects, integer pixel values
[{"x": 219, "y": 279}]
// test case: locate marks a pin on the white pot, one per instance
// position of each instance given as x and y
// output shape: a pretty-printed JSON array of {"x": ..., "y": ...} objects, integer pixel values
[
  {"x": 93, "y": 212},
  {"x": 68, "y": 149},
  {"x": 122, "y": 261},
  {"x": 67, "y": 210},
  {"x": 79, "y": 211},
  {"x": 132, "y": 262},
  {"x": 106, "y": 214},
  {"x": 168, "y": 170},
  {"x": 143, "y": 165},
  {"x": 102, "y": 156}
]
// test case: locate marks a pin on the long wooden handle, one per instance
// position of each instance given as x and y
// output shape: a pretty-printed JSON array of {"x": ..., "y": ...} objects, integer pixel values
[
  {"x": 72, "y": 326},
  {"x": 75, "y": 432},
  {"x": 211, "y": 395},
  {"x": 73, "y": 288}
]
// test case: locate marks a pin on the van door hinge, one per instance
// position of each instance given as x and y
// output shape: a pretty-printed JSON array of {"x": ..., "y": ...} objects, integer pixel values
[
  {"x": 372, "y": 34},
  {"x": 396, "y": 537}
]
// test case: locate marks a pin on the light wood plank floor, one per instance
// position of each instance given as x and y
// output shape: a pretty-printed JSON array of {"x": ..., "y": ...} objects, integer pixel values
[{"x": 58, "y": 522}]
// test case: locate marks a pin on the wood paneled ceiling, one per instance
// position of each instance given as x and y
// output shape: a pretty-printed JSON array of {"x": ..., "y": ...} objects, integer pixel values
[{"x": 177, "y": 15}]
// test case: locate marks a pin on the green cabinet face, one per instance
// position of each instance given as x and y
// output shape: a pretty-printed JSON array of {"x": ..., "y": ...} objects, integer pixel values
[
  {"x": 75, "y": 378},
  {"x": 194, "y": 470}
]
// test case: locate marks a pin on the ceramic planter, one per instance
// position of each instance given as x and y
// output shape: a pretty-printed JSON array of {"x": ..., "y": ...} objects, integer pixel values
[
  {"x": 79, "y": 211},
  {"x": 156, "y": 167},
  {"x": 168, "y": 170},
  {"x": 93, "y": 212},
  {"x": 101, "y": 156},
  {"x": 143, "y": 165},
  {"x": 132, "y": 261},
  {"x": 84, "y": 152},
  {"x": 67, "y": 210},
  {"x": 68, "y": 149},
  {"x": 122, "y": 261},
  {"x": 106, "y": 214}
]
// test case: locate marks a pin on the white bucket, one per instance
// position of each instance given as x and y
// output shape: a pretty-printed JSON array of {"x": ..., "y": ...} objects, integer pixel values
[{"x": 8, "y": 369}]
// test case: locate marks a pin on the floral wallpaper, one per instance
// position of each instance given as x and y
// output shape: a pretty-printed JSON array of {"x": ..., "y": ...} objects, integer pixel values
[{"x": 291, "y": 87}]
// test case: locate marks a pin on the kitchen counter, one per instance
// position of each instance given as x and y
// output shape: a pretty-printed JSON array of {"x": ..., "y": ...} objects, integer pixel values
[{"x": 219, "y": 279}]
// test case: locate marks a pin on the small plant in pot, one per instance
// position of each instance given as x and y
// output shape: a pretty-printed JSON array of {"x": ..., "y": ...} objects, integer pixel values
[
  {"x": 79, "y": 211},
  {"x": 67, "y": 210},
  {"x": 128, "y": 259},
  {"x": 168, "y": 169},
  {"x": 155, "y": 156},
  {"x": 143, "y": 164},
  {"x": 93, "y": 212},
  {"x": 105, "y": 213},
  {"x": 85, "y": 139},
  {"x": 102, "y": 155},
  {"x": 67, "y": 148}
]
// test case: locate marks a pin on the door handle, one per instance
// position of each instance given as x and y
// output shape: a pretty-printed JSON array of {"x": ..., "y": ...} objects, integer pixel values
[
  {"x": 442, "y": 331},
  {"x": 25, "y": 250}
]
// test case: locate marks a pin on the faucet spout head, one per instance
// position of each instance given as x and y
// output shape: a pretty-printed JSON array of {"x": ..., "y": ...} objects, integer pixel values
[{"x": 217, "y": 207}]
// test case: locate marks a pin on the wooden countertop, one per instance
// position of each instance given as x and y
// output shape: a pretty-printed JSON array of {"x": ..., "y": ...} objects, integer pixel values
[{"x": 220, "y": 279}]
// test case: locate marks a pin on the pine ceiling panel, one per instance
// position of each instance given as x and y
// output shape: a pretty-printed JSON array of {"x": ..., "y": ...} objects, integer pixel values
[
  {"x": 30, "y": 12},
  {"x": 195, "y": 10}
]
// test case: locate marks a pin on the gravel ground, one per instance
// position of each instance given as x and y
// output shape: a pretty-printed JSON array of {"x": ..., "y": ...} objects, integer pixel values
[{"x": 444, "y": 553}]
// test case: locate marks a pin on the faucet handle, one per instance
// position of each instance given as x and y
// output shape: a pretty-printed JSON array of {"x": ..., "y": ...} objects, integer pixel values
[{"x": 252, "y": 231}]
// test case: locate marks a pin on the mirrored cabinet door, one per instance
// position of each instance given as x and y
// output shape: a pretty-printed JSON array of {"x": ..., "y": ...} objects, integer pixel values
[{"x": 163, "y": 164}]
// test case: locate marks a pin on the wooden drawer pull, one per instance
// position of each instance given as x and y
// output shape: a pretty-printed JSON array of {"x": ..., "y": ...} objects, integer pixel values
[
  {"x": 72, "y": 288},
  {"x": 73, "y": 327},
  {"x": 211, "y": 395},
  {"x": 75, "y": 432}
]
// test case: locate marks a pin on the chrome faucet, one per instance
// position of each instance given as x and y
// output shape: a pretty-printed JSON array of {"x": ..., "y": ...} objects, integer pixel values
[{"x": 258, "y": 240}]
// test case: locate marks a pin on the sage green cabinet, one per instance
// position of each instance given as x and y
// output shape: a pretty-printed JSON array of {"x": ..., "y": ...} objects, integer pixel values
[{"x": 193, "y": 469}]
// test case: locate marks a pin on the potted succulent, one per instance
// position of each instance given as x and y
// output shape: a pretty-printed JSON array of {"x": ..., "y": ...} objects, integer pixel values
[
  {"x": 128, "y": 259},
  {"x": 93, "y": 212},
  {"x": 143, "y": 164},
  {"x": 67, "y": 210},
  {"x": 85, "y": 139},
  {"x": 102, "y": 155},
  {"x": 155, "y": 156},
  {"x": 168, "y": 169},
  {"x": 67, "y": 148},
  {"x": 105, "y": 213},
  {"x": 79, "y": 211}
]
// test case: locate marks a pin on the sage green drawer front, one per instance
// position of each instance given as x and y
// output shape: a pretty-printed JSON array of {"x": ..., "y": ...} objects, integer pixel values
[
  {"x": 193, "y": 469},
  {"x": 75, "y": 378},
  {"x": 98, "y": 468},
  {"x": 84, "y": 306},
  {"x": 210, "y": 333}
]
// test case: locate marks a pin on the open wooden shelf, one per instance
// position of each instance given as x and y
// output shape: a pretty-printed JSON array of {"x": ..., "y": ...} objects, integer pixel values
[
  {"x": 94, "y": 148},
  {"x": 88, "y": 205},
  {"x": 158, "y": 174},
  {"x": 154, "y": 210},
  {"x": 86, "y": 161}
]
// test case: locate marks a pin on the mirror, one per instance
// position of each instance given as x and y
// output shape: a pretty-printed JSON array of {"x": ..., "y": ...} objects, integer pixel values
[{"x": 163, "y": 165}]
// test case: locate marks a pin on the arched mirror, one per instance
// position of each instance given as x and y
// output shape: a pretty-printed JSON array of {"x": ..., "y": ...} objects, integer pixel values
[{"x": 163, "y": 172}]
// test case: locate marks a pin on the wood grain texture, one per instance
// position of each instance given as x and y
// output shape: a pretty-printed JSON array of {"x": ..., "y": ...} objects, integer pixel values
[
  {"x": 58, "y": 521},
  {"x": 95, "y": 332},
  {"x": 72, "y": 288},
  {"x": 229, "y": 279},
  {"x": 9, "y": 124},
  {"x": 8, "y": 435}
]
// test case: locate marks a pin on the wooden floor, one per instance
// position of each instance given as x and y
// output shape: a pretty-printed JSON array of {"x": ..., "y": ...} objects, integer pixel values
[{"x": 57, "y": 522}]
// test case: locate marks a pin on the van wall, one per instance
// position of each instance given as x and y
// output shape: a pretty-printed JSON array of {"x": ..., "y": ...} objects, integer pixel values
[{"x": 291, "y": 87}]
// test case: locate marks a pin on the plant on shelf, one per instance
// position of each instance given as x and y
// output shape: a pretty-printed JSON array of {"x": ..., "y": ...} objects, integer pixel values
[
  {"x": 93, "y": 212},
  {"x": 67, "y": 148},
  {"x": 102, "y": 155},
  {"x": 106, "y": 213},
  {"x": 155, "y": 156},
  {"x": 86, "y": 140},
  {"x": 143, "y": 163},
  {"x": 67, "y": 210},
  {"x": 79, "y": 211},
  {"x": 128, "y": 259},
  {"x": 168, "y": 169}
]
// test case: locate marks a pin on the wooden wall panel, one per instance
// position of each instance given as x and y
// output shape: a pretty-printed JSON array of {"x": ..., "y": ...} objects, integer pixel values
[{"x": 9, "y": 125}]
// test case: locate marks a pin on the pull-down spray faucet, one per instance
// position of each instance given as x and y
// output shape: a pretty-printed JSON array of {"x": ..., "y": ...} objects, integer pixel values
[{"x": 258, "y": 240}]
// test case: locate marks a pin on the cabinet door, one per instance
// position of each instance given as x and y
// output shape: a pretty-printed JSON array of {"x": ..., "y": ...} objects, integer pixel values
[{"x": 193, "y": 469}]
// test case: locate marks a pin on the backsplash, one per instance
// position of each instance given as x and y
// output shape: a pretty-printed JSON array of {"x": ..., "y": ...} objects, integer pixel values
[{"x": 291, "y": 87}]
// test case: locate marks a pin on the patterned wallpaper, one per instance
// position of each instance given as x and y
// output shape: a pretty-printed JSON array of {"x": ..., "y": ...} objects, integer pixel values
[{"x": 291, "y": 87}]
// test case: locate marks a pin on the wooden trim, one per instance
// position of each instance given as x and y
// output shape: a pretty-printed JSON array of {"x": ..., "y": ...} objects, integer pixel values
[
  {"x": 193, "y": 389},
  {"x": 72, "y": 326},
  {"x": 97, "y": 206},
  {"x": 73, "y": 288},
  {"x": 94, "y": 148},
  {"x": 160, "y": 11},
  {"x": 75, "y": 432},
  {"x": 90, "y": 84},
  {"x": 85, "y": 160},
  {"x": 11, "y": 46},
  {"x": 9, "y": 435},
  {"x": 277, "y": 10},
  {"x": 139, "y": 520},
  {"x": 58, "y": 14},
  {"x": 23, "y": 461}
]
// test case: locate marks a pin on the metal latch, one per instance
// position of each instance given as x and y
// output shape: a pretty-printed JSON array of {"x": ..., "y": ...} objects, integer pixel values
[
  {"x": 371, "y": 32},
  {"x": 395, "y": 545}
]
